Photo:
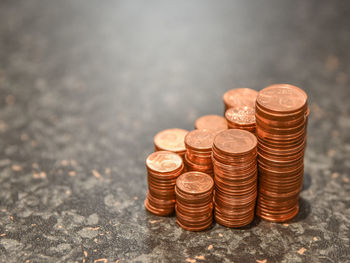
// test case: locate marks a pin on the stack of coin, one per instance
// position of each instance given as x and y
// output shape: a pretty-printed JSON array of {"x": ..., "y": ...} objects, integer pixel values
[
  {"x": 239, "y": 98},
  {"x": 281, "y": 118},
  {"x": 235, "y": 175},
  {"x": 172, "y": 140},
  {"x": 211, "y": 122},
  {"x": 241, "y": 117},
  {"x": 194, "y": 201},
  {"x": 198, "y": 151},
  {"x": 163, "y": 169}
]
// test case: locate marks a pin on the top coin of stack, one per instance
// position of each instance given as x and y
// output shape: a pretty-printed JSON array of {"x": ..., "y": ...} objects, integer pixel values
[
  {"x": 235, "y": 175},
  {"x": 281, "y": 117},
  {"x": 211, "y": 122},
  {"x": 194, "y": 201},
  {"x": 198, "y": 151},
  {"x": 163, "y": 169},
  {"x": 241, "y": 117},
  {"x": 171, "y": 140},
  {"x": 240, "y": 98}
]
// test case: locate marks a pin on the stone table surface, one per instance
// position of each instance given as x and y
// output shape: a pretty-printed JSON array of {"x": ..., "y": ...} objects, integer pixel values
[{"x": 85, "y": 85}]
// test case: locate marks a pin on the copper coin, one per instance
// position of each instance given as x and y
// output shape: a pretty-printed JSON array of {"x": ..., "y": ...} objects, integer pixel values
[
  {"x": 194, "y": 182},
  {"x": 201, "y": 139},
  {"x": 164, "y": 162},
  {"x": 172, "y": 140},
  {"x": 235, "y": 141},
  {"x": 241, "y": 116},
  {"x": 240, "y": 97},
  {"x": 282, "y": 98},
  {"x": 211, "y": 122}
]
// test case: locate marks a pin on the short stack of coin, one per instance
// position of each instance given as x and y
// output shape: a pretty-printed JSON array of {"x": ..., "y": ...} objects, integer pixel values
[
  {"x": 239, "y": 98},
  {"x": 211, "y": 122},
  {"x": 241, "y": 117},
  {"x": 198, "y": 151},
  {"x": 235, "y": 175},
  {"x": 194, "y": 201},
  {"x": 163, "y": 169},
  {"x": 171, "y": 140},
  {"x": 281, "y": 117}
]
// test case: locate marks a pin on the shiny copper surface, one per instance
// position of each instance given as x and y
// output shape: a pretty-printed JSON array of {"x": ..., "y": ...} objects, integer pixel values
[
  {"x": 281, "y": 119},
  {"x": 211, "y": 122},
  {"x": 235, "y": 175},
  {"x": 240, "y": 97},
  {"x": 241, "y": 117},
  {"x": 163, "y": 168},
  {"x": 198, "y": 150},
  {"x": 194, "y": 201},
  {"x": 172, "y": 140}
]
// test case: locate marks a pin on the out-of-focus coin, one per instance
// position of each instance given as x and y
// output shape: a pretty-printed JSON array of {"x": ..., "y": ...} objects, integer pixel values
[
  {"x": 211, "y": 122},
  {"x": 240, "y": 97},
  {"x": 172, "y": 140}
]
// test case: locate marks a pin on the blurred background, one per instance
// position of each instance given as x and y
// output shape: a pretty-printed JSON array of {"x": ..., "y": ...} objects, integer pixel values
[{"x": 85, "y": 85}]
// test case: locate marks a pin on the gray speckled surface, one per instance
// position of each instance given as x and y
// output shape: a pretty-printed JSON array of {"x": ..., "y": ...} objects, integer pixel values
[{"x": 84, "y": 86}]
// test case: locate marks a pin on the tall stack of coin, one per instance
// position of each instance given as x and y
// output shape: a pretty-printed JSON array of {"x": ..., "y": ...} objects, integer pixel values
[
  {"x": 194, "y": 201},
  {"x": 163, "y": 169},
  {"x": 239, "y": 98},
  {"x": 198, "y": 151},
  {"x": 241, "y": 117},
  {"x": 211, "y": 122},
  {"x": 281, "y": 117},
  {"x": 172, "y": 140},
  {"x": 235, "y": 175}
]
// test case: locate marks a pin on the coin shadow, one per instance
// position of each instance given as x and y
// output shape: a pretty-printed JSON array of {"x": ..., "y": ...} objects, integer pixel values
[
  {"x": 304, "y": 211},
  {"x": 306, "y": 182}
]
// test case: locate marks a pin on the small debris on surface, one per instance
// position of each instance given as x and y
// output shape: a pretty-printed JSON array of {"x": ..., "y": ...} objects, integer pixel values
[
  {"x": 16, "y": 168},
  {"x": 39, "y": 175},
  {"x": 335, "y": 175},
  {"x": 200, "y": 257},
  {"x": 301, "y": 251},
  {"x": 210, "y": 247},
  {"x": 97, "y": 174},
  {"x": 191, "y": 260}
]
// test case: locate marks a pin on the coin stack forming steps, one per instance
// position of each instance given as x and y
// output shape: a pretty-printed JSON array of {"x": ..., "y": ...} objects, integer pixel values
[
  {"x": 240, "y": 98},
  {"x": 235, "y": 175},
  {"x": 194, "y": 201},
  {"x": 198, "y": 151},
  {"x": 211, "y": 122},
  {"x": 171, "y": 140},
  {"x": 163, "y": 169},
  {"x": 241, "y": 117},
  {"x": 281, "y": 117}
]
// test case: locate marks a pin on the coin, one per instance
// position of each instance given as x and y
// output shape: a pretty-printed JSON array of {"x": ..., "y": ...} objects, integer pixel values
[
  {"x": 163, "y": 168},
  {"x": 235, "y": 174},
  {"x": 198, "y": 150},
  {"x": 172, "y": 140},
  {"x": 163, "y": 162},
  {"x": 235, "y": 141},
  {"x": 194, "y": 201},
  {"x": 281, "y": 124},
  {"x": 241, "y": 117},
  {"x": 211, "y": 122},
  {"x": 240, "y": 97},
  {"x": 282, "y": 98}
]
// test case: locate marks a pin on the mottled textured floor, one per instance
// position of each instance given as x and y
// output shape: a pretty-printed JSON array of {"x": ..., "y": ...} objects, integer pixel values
[{"x": 84, "y": 86}]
